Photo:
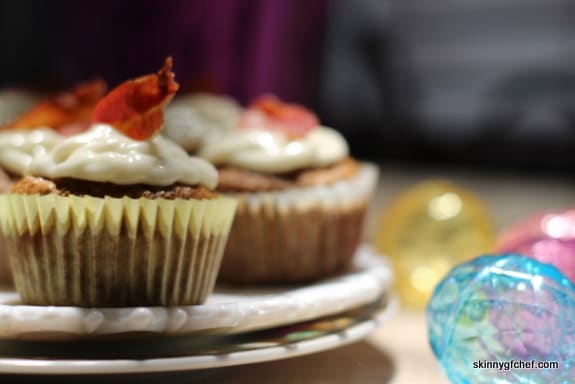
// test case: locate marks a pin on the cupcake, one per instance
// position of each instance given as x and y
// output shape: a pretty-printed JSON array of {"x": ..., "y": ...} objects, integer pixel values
[
  {"x": 66, "y": 112},
  {"x": 196, "y": 118},
  {"x": 14, "y": 103},
  {"x": 301, "y": 197},
  {"x": 117, "y": 215}
]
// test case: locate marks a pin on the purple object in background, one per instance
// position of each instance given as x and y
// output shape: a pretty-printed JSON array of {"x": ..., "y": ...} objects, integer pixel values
[
  {"x": 239, "y": 47},
  {"x": 548, "y": 237}
]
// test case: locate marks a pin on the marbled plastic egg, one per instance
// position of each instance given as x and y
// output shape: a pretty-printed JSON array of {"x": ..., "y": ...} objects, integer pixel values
[{"x": 505, "y": 311}]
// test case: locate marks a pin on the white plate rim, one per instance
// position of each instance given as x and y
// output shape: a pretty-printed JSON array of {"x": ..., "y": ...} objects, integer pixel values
[{"x": 346, "y": 336}]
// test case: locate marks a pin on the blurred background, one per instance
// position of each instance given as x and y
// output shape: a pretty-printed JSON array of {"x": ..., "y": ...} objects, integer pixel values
[
  {"x": 482, "y": 84},
  {"x": 477, "y": 92},
  {"x": 480, "y": 93}
]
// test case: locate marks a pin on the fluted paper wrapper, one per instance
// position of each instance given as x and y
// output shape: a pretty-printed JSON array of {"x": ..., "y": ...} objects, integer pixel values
[
  {"x": 297, "y": 235},
  {"x": 111, "y": 252}
]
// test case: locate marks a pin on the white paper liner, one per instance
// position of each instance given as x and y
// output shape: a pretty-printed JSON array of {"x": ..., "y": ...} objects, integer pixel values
[{"x": 88, "y": 251}]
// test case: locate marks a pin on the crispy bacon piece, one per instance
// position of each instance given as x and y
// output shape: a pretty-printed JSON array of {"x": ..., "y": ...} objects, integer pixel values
[
  {"x": 67, "y": 112},
  {"x": 135, "y": 107},
  {"x": 270, "y": 113}
]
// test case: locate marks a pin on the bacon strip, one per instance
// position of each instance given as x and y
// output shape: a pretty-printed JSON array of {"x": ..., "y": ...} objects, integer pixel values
[
  {"x": 72, "y": 108},
  {"x": 270, "y": 113},
  {"x": 135, "y": 107}
]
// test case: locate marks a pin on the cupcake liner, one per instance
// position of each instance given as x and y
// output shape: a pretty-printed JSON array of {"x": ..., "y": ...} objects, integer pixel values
[
  {"x": 299, "y": 234},
  {"x": 87, "y": 251}
]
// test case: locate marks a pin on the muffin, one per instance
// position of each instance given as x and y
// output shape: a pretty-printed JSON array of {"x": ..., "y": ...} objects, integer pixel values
[
  {"x": 14, "y": 103},
  {"x": 196, "y": 118},
  {"x": 301, "y": 198},
  {"x": 117, "y": 215},
  {"x": 66, "y": 112}
]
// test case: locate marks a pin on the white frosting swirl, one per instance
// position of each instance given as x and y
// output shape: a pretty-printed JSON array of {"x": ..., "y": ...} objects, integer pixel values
[
  {"x": 18, "y": 148},
  {"x": 105, "y": 155},
  {"x": 191, "y": 120},
  {"x": 272, "y": 152}
]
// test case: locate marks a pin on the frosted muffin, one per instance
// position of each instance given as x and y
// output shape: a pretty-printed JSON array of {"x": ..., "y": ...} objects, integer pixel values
[
  {"x": 66, "y": 112},
  {"x": 198, "y": 118},
  {"x": 14, "y": 103},
  {"x": 104, "y": 219},
  {"x": 301, "y": 197}
]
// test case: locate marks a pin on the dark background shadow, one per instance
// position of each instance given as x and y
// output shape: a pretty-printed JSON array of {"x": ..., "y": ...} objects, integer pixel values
[{"x": 476, "y": 84}]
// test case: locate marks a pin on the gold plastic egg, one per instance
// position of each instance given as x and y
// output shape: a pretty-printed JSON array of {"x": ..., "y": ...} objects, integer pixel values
[{"x": 427, "y": 230}]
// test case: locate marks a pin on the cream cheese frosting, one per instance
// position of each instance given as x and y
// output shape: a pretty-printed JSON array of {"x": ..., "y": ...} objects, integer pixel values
[
  {"x": 192, "y": 120},
  {"x": 272, "y": 152},
  {"x": 18, "y": 148},
  {"x": 103, "y": 154}
]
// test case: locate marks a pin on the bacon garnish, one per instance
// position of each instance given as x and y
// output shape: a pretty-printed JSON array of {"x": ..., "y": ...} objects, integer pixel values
[
  {"x": 66, "y": 112},
  {"x": 135, "y": 107},
  {"x": 270, "y": 113}
]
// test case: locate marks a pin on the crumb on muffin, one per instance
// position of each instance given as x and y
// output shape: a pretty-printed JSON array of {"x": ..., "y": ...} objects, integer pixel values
[
  {"x": 233, "y": 179},
  {"x": 30, "y": 185}
]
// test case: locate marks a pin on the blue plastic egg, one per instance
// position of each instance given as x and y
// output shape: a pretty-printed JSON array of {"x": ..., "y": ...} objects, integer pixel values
[{"x": 504, "y": 319}]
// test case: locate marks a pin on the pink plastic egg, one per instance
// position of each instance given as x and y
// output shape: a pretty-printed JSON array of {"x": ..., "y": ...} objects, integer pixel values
[{"x": 548, "y": 237}]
